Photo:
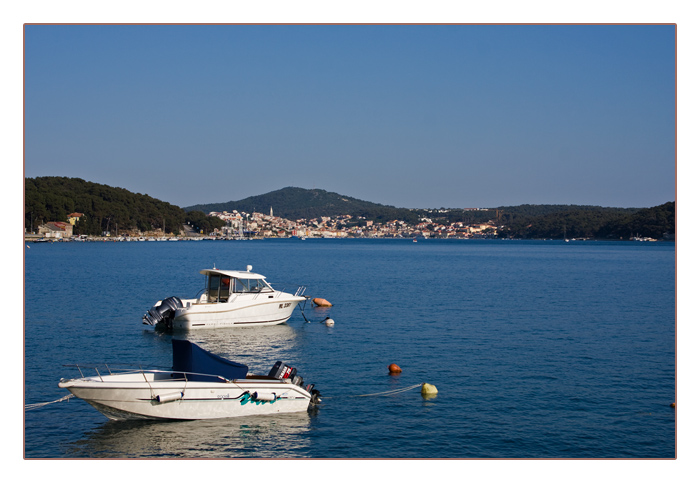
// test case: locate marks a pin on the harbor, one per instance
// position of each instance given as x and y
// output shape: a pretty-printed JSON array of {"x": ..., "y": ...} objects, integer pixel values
[{"x": 516, "y": 336}]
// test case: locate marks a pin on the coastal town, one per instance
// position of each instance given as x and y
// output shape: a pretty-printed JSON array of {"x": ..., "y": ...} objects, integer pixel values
[
  {"x": 256, "y": 225},
  {"x": 345, "y": 226}
]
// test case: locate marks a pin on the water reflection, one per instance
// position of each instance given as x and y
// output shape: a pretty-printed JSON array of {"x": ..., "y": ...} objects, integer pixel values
[{"x": 278, "y": 436}]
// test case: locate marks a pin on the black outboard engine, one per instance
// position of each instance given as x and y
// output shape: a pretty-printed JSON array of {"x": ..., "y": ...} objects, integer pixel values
[
  {"x": 163, "y": 313},
  {"x": 315, "y": 396},
  {"x": 283, "y": 371}
]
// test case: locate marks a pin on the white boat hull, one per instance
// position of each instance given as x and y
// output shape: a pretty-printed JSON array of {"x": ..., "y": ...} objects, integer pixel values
[
  {"x": 243, "y": 310},
  {"x": 122, "y": 397},
  {"x": 230, "y": 298}
]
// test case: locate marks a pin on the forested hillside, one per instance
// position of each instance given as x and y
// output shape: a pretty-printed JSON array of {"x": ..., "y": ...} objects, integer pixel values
[
  {"x": 588, "y": 222},
  {"x": 105, "y": 208}
]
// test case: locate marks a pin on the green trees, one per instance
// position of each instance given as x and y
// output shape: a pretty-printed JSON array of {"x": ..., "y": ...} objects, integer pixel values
[
  {"x": 649, "y": 222},
  {"x": 201, "y": 223},
  {"x": 589, "y": 222},
  {"x": 106, "y": 209}
]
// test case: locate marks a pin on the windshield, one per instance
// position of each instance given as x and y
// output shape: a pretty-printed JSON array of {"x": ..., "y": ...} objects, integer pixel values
[{"x": 243, "y": 285}]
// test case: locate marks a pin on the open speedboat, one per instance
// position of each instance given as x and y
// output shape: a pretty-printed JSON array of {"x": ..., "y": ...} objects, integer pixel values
[
  {"x": 229, "y": 298},
  {"x": 200, "y": 386}
]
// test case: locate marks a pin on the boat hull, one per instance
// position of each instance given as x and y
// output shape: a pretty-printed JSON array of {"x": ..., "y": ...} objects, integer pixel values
[
  {"x": 132, "y": 399},
  {"x": 243, "y": 310}
]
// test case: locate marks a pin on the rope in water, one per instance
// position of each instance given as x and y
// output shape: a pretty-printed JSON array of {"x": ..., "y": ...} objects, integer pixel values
[
  {"x": 385, "y": 393},
  {"x": 29, "y": 407}
]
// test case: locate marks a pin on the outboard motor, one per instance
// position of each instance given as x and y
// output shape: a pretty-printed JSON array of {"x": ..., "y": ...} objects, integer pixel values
[
  {"x": 282, "y": 371},
  {"x": 315, "y": 394},
  {"x": 163, "y": 313}
]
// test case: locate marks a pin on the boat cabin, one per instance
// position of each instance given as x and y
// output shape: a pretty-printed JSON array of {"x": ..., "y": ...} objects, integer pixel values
[{"x": 222, "y": 284}]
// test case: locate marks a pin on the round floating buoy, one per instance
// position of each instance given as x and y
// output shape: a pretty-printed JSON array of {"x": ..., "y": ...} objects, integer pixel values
[
  {"x": 673, "y": 405},
  {"x": 329, "y": 322},
  {"x": 428, "y": 389},
  {"x": 394, "y": 369},
  {"x": 321, "y": 302}
]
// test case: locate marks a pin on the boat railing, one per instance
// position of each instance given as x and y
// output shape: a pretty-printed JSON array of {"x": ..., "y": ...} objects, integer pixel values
[
  {"x": 131, "y": 370},
  {"x": 80, "y": 368},
  {"x": 299, "y": 292}
]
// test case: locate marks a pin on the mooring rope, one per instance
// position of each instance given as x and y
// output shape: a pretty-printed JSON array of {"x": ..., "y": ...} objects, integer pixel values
[
  {"x": 29, "y": 407},
  {"x": 385, "y": 393}
]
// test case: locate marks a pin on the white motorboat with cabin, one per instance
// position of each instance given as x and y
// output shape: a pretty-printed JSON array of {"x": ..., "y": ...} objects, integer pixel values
[
  {"x": 229, "y": 298},
  {"x": 200, "y": 385}
]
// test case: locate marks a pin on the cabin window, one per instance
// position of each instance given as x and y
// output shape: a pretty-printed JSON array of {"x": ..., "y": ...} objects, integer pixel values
[
  {"x": 224, "y": 289},
  {"x": 240, "y": 285},
  {"x": 256, "y": 285},
  {"x": 251, "y": 285},
  {"x": 219, "y": 288},
  {"x": 213, "y": 289}
]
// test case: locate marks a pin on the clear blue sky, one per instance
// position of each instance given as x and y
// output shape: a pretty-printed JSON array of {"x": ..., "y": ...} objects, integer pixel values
[{"x": 410, "y": 116}]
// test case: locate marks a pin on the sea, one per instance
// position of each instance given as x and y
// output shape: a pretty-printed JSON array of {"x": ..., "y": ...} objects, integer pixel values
[{"x": 538, "y": 349}]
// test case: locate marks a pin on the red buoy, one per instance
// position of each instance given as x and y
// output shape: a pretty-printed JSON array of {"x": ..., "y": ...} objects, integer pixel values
[{"x": 394, "y": 369}]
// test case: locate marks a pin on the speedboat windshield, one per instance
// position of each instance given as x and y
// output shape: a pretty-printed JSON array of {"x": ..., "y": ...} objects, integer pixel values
[{"x": 242, "y": 285}]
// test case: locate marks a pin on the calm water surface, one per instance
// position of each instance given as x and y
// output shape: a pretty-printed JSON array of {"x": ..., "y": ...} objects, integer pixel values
[{"x": 538, "y": 349}]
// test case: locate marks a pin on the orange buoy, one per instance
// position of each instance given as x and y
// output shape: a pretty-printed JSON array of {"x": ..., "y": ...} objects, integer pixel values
[
  {"x": 394, "y": 369},
  {"x": 322, "y": 302}
]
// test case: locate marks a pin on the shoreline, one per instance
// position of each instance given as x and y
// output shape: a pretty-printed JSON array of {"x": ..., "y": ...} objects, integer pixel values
[{"x": 94, "y": 239}]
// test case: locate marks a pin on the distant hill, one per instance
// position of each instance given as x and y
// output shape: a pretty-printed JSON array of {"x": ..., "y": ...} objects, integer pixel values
[
  {"x": 104, "y": 208},
  {"x": 107, "y": 208},
  {"x": 297, "y": 203}
]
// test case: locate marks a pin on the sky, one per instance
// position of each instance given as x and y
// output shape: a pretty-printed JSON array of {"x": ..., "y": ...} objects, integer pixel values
[{"x": 414, "y": 116}]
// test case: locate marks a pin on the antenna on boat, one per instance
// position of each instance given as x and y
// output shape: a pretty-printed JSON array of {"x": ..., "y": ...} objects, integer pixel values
[
  {"x": 249, "y": 267},
  {"x": 214, "y": 266}
]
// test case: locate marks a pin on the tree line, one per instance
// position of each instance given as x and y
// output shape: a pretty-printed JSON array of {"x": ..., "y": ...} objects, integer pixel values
[
  {"x": 105, "y": 208},
  {"x": 109, "y": 209},
  {"x": 591, "y": 222}
]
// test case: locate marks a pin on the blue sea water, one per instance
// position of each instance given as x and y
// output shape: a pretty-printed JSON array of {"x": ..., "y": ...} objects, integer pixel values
[{"x": 539, "y": 349}]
